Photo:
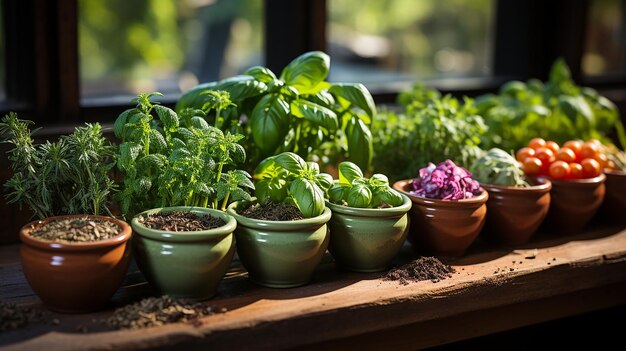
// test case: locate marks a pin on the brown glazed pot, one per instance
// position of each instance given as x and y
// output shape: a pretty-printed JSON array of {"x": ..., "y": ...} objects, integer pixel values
[
  {"x": 443, "y": 227},
  {"x": 75, "y": 277},
  {"x": 515, "y": 213},
  {"x": 614, "y": 206},
  {"x": 574, "y": 202}
]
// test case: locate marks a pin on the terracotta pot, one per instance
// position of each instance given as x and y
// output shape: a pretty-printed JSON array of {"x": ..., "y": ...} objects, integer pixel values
[
  {"x": 444, "y": 227},
  {"x": 614, "y": 206},
  {"x": 574, "y": 202},
  {"x": 367, "y": 239},
  {"x": 75, "y": 277},
  {"x": 515, "y": 213},
  {"x": 185, "y": 264},
  {"x": 281, "y": 254}
]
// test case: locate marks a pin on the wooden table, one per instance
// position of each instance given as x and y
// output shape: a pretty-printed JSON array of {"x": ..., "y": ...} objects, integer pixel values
[{"x": 494, "y": 289}]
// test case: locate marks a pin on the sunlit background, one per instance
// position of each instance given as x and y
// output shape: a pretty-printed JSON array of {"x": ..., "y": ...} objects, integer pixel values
[{"x": 131, "y": 46}]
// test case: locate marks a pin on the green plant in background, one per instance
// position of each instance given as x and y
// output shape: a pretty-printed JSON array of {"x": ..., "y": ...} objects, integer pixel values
[
  {"x": 297, "y": 112},
  {"x": 354, "y": 190},
  {"x": 70, "y": 176},
  {"x": 287, "y": 178},
  {"x": 432, "y": 128},
  {"x": 498, "y": 167},
  {"x": 558, "y": 110},
  {"x": 174, "y": 160}
]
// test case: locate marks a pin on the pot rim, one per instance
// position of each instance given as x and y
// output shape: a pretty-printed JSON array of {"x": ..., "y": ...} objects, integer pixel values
[
  {"x": 278, "y": 225},
  {"x": 373, "y": 212},
  {"x": 171, "y": 236},
  {"x": 577, "y": 182},
  {"x": 122, "y": 237},
  {"x": 480, "y": 199},
  {"x": 544, "y": 186}
]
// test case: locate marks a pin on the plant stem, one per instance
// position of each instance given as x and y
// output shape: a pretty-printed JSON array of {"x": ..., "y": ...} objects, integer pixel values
[
  {"x": 297, "y": 138},
  {"x": 225, "y": 201},
  {"x": 219, "y": 175}
]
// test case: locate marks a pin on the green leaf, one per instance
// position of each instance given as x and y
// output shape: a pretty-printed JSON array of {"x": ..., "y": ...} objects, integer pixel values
[
  {"x": 359, "y": 196},
  {"x": 356, "y": 95},
  {"x": 266, "y": 168},
  {"x": 270, "y": 190},
  {"x": 338, "y": 192},
  {"x": 324, "y": 181},
  {"x": 269, "y": 122},
  {"x": 239, "y": 87},
  {"x": 307, "y": 71},
  {"x": 359, "y": 142},
  {"x": 378, "y": 180},
  {"x": 390, "y": 197},
  {"x": 560, "y": 72},
  {"x": 308, "y": 197},
  {"x": 313, "y": 167},
  {"x": 238, "y": 154},
  {"x": 323, "y": 97},
  {"x": 168, "y": 117},
  {"x": 291, "y": 162},
  {"x": 317, "y": 114},
  {"x": 199, "y": 122},
  {"x": 260, "y": 73},
  {"x": 157, "y": 141},
  {"x": 120, "y": 123},
  {"x": 348, "y": 172}
]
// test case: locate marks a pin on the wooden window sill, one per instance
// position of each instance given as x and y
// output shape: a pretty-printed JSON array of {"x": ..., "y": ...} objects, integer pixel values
[{"x": 552, "y": 277}]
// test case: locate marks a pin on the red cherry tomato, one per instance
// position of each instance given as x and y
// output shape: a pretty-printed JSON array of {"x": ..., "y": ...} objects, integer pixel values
[
  {"x": 574, "y": 145},
  {"x": 559, "y": 170},
  {"x": 552, "y": 146},
  {"x": 591, "y": 168},
  {"x": 536, "y": 143},
  {"x": 545, "y": 155},
  {"x": 589, "y": 150},
  {"x": 602, "y": 159},
  {"x": 575, "y": 170},
  {"x": 566, "y": 154},
  {"x": 532, "y": 166},
  {"x": 523, "y": 153}
]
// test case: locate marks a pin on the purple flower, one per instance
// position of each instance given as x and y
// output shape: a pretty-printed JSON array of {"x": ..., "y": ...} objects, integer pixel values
[{"x": 445, "y": 181}]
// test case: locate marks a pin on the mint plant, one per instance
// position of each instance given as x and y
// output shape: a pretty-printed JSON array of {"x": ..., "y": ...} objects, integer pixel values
[
  {"x": 354, "y": 190},
  {"x": 287, "y": 178},
  {"x": 70, "y": 176},
  {"x": 168, "y": 159}
]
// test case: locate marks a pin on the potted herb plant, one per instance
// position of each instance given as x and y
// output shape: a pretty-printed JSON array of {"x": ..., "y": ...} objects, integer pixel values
[
  {"x": 174, "y": 163},
  {"x": 517, "y": 206},
  {"x": 449, "y": 208},
  {"x": 369, "y": 220},
  {"x": 73, "y": 257},
  {"x": 282, "y": 235}
]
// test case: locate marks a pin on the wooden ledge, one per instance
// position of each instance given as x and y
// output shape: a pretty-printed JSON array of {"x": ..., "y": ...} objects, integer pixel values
[{"x": 549, "y": 278}]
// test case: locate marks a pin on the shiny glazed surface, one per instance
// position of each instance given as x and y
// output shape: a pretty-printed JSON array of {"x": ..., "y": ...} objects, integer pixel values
[
  {"x": 281, "y": 254},
  {"x": 75, "y": 277},
  {"x": 515, "y": 213},
  {"x": 574, "y": 203},
  {"x": 185, "y": 264},
  {"x": 441, "y": 227},
  {"x": 367, "y": 240}
]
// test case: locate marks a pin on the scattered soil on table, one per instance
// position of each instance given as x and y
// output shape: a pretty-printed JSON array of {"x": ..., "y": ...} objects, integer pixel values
[
  {"x": 72, "y": 230},
  {"x": 13, "y": 316},
  {"x": 180, "y": 221},
  {"x": 273, "y": 212},
  {"x": 424, "y": 268},
  {"x": 155, "y": 311}
]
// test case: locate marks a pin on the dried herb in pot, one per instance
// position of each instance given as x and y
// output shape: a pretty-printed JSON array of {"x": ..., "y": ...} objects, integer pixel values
[{"x": 83, "y": 229}]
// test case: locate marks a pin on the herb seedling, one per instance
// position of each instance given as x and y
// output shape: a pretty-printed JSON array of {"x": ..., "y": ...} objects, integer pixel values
[{"x": 354, "y": 190}]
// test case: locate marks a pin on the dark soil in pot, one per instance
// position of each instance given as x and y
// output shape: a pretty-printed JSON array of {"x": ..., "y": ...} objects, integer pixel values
[
  {"x": 273, "y": 212},
  {"x": 180, "y": 221},
  {"x": 74, "y": 230}
]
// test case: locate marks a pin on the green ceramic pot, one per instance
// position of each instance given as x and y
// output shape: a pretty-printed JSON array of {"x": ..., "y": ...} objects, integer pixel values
[
  {"x": 281, "y": 254},
  {"x": 367, "y": 239},
  {"x": 185, "y": 264}
]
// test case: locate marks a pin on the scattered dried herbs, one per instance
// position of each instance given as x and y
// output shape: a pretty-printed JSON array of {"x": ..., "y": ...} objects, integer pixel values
[
  {"x": 273, "y": 212},
  {"x": 82, "y": 229},
  {"x": 13, "y": 316},
  {"x": 424, "y": 268},
  {"x": 156, "y": 311},
  {"x": 180, "y": 221}
]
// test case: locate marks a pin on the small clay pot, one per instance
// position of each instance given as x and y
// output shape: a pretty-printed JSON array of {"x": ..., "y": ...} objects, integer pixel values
[
  {"x": 367, "y": 239},
  {"x": 574, "y": 202},
  {"x": 185, "y": 264},
  {"x": 444, "y": 227},
  {"x": 515, "y": 213},
  {"x": 614, "y": 206},
  {"x": 281, "y": 254},
  {"x": 75, "y": 277}
]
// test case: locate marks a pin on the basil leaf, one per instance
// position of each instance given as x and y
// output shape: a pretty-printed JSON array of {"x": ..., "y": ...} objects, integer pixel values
[
  {"x": 260, "y": 73},
  {"x": 360, "y": 145},
  {"x": 308, "y": 197},
  {"x": 324, "y": 181},
  {"x": 348, "y": 172},
  {"x": 317, "y": 114},
  {"x": 338, "y": 192},
  {"x": 356, "y": 95},
  {"x": 359, "y": 196},
  {"x": 307, "y": 71},
  {"x": 291, "y": 162},
  {"x": 269, "y": 122}
]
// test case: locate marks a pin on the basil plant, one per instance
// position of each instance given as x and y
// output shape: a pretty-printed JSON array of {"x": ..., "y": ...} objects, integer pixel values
[
  {"x": 354, "y": 190},
  {"x": 287, "y": 178}
]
